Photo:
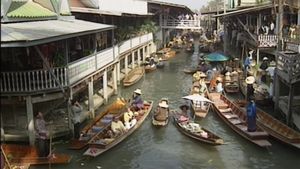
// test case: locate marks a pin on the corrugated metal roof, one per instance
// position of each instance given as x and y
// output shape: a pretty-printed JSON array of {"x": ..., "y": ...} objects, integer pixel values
[
  {"x": 39, "y": 32},
  {"x": 29, "y": 9},
  {"x": 246, "y": 10},
  {"x": 95, "y": 11}
]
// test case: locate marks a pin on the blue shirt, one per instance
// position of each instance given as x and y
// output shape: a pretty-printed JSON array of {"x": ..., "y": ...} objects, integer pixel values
[
  {"x": 251, "y": 110},
  {"x": 247, "y": 61},
  {"x": 137, "y": 100}
]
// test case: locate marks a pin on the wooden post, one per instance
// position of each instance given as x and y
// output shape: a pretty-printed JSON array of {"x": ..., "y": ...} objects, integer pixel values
[
  {"x": 30, "y": 120},
  {"x": 290, "y": 104},
  {"x": 114, "y": 74},
  {"x": 118, "y": 72},
  {"x": 105, "y": 92},
  {"x": 277, "y": 91},
  {"x": 139, "y": 57},
  {"x": 126, "y": 64},
  {"x": 258, "y": 23},
  {"x": 71, "y": 125},
  {"x": 280, "y": 24},
  {"x": 132, "y": 60},
  {"x": 144, "y": 53},
  {"x": 91, "y": 99},
  {"x": 257, "y": 56},
  {"x": 298, "y": 13}
]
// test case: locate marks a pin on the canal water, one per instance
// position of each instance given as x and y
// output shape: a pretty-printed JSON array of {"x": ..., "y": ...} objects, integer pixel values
[{"x": 159, "y": 148}]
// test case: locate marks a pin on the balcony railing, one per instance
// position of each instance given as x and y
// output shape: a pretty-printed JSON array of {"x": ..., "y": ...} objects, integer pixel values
[
  {"x": 288, "y": 66},
  {"x": 35, "y": 80},
  {"x": 40, "y": 80},
  {"x": 267, "y": 41}
]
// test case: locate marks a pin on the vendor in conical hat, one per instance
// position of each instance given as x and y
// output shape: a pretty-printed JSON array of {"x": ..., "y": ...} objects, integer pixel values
[
  {"x": 196, "y": 76},
  {"x": 234, "y": 76},
  {"x": 163, "y": 104},
  {"x": 137, "y": 101},
  {"x": 227, "y": 77}
]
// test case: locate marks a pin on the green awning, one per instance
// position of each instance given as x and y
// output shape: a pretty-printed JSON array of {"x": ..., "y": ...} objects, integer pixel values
[{"x": 23, "y": 9}]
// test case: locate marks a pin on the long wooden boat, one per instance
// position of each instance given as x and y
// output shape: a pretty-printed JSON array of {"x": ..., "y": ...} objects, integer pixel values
[
  {"x": 161, "y": 115},
  {"x": 235, "y": 118},
  {"x": 190, "y": 70},
  {"x": 149, "y": 68},
  {"x": 134, "y": 76},
  {"x": 232, "y": 88},
  {"x": 28, "y": 155},
  {"x": 98, "y": 124},
  {"x": 276, "y": 128},
  {"x": 99, "y": 143},
  {"x": 198, "y": 133}
]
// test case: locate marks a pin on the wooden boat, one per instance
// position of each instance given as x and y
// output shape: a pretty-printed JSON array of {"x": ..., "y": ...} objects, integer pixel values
[
  {"x": 275, "y": 128},
  {"x": 190, "y": 70},
  {"x": 160, "y": 64},
  {"x": 149, "y": 68},
  {"x": 196, "y": 107},
  {"x": 198, "y": 133},
  {"x": 28, "y": 155},
  {"x": 235, "y": 118},
  {"x": 231, "y": 88},
  {"x": 198, "y": 111},
  {"x": 98, "y": 123},
  {"x": 162, "y": 55},
  {"x": 99, "y": 144},
  {"x": 134, "y": 76},
  {"x": 161, "y": 114}
]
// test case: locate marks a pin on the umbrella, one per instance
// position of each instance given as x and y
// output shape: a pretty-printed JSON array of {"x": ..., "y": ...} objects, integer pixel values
[
  {"x": 197, "y": 97},
  {"x": 215, "y": 57}
]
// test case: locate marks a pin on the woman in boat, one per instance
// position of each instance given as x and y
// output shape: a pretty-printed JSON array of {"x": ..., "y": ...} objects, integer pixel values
[
  {"x": 162, "y": 116},
  {"x": 184, "y": 115},
  {"x": 42, "y": 135},
  {"x": 129, "y": 119},
  {"x": 263, "y": 67},
  {"x": 137, "y": 102},
  {"x": 76, "y": 110},
  {"x": 250, "y": 89},
  {"x": 219, "y": 87},
  {"x": 117, "y": 126},
  {"x": 203, "y": 87},
  {"x": 251, "y": 115}
]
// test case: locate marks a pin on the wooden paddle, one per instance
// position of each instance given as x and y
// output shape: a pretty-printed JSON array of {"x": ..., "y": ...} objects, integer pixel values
[{"x": 6, "y": 159}]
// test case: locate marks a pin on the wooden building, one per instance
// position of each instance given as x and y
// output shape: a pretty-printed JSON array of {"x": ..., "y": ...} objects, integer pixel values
[{"x": 243, "y": 31}]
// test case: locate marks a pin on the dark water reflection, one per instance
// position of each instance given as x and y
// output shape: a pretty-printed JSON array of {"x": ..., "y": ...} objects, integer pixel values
[{"x": 154, "y": 148}]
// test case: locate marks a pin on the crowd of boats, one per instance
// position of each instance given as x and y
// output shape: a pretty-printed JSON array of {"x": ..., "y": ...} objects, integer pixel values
[{"x": 96, "y": 137}]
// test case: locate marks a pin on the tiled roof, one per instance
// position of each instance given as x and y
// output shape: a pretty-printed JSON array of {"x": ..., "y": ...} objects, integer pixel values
[{"x": 23, "y": 9}]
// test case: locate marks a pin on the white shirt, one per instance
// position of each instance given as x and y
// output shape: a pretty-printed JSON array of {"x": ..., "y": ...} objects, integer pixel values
[
  {"x": 272, "y": 26},
  {"x": 271, "y": 71},
  {"x": 219, "y": 88}
]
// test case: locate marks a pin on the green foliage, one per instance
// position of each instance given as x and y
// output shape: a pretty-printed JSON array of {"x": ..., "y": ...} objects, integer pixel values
[
  {"x": 59, "y": 60},
  {"x": 128, "y": 31}
]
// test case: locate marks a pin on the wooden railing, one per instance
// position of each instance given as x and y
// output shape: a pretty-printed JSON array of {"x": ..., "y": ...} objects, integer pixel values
[
  {"x": 35, "y": 80},
  {"x": 267, "y": 41},
  {"x": 39, "y": 80},
  {"x": 288, "y": 66},
  {"x": 134, "y": 42}
]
